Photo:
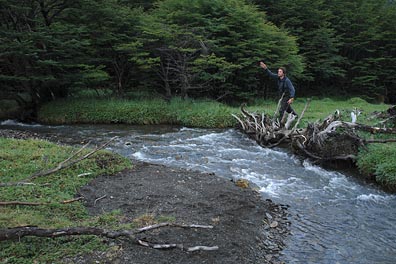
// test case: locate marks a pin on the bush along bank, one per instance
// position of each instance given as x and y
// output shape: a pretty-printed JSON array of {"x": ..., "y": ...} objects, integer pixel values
[
  {"x": 378, "y": 162},
  {"x": 210, "y": 114}
]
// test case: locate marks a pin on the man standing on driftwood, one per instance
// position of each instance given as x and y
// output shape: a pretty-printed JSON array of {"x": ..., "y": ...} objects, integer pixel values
[{"x": 285, "y": 88}]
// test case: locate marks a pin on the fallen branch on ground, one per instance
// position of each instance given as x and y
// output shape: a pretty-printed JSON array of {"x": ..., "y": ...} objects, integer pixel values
[
  {"x": 20, "y": 232},
  {"x": 180, "y": 246},
  {"x": 69, "y": 162},
  {"x": 98, "y": 199}
]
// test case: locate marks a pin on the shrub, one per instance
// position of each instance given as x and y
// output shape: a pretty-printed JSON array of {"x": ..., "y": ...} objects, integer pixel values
[{"x": 379, "y": 160}]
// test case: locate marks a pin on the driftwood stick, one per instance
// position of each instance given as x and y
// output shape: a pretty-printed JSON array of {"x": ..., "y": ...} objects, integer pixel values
[
  {"x": 373, "y": 130},
  {"x": 22, "y": 231},
  {"x": 255, "y": 121},
  {"x": 278, "y": 107},
  {"x": 156, "y": 226},
  {"x": 84, "y": 174},
  {"x": 386, "y": 120},
  {"x": 290, "y": 119},
  {"x": 62, "y": 165},
  {"x": 180, "y": 246},
  {"x": 72, "y": 200},
  {"x": 204, "y": 248},
  {"x": 244, "y": 112},
  {"x": 75, "y": 154},
  {"x": 68, "y": 162},
  {"x": 263, "y": 129},
  {"x": 302, "y": 114},
  {"x": 98, "y": 199},
  {"x": 240, "y": 121},
  {"x": 19, "y": 232},
  {"x": 158, "y": 246}
]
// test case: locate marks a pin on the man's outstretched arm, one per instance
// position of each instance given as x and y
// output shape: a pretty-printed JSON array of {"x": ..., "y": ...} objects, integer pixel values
[{"x": 264, "y": 66}]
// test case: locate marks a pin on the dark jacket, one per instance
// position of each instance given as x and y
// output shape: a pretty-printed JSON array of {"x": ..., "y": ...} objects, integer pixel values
[{"x": 284, "y": 85}]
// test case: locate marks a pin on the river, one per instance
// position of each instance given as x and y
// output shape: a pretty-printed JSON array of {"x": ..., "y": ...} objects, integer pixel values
[{"x": 335, "y": 217}]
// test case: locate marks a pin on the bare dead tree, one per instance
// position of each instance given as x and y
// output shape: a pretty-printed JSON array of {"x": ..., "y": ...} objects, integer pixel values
[{"x": 176, "y": 68}]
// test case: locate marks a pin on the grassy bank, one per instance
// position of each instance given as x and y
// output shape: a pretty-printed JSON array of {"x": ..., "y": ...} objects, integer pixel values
[
  {"x": 210, "y": 114},
  {"x": 379, "y": 161},
  {"x": 190, "y": 113},
  {"x": 142, "y": 112},
  {"x": 21, "y": 158}
]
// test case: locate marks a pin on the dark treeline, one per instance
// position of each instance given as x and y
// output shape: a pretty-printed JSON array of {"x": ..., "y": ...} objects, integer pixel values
[{"x": 204, "y": 48}]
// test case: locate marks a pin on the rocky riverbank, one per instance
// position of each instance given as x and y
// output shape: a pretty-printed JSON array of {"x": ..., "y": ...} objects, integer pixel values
[{"x": 246, "y": 228}]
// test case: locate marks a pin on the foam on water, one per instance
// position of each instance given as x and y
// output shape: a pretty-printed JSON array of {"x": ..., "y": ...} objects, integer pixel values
[
  {"x": 317, "y": 170},
  {"x": 10, "y": 122},
  {"x": 189, "y": 129},
  {"x": 139, "y": 155},
  {"x": 374, "y": 198}
]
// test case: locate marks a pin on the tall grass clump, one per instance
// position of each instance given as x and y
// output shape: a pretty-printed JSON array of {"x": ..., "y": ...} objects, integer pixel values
[
  {"x": 190, "y": 113},
  {"x": 104, "y": 111},
  {"x": 379, "y": 161},
  {"x": 206, "y": 114}
]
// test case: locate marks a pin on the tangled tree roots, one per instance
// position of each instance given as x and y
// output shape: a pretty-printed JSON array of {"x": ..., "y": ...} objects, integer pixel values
[{"x": 331, "y": 139}]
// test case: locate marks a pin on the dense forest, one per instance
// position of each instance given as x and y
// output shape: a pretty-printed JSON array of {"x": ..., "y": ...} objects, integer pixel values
[{"x": 52, "y": 49}]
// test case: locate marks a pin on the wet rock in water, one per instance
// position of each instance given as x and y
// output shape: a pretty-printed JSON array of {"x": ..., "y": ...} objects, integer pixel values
[
  {"x": 274, "y": 224},
  {"x": 268, "y": 216}
]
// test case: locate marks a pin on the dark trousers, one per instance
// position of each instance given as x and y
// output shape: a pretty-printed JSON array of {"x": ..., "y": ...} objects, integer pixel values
[{"x": 286, "y": 107}]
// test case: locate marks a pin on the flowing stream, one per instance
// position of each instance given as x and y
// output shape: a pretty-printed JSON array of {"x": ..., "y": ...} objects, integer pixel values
[{"x": 335, "y": 217}]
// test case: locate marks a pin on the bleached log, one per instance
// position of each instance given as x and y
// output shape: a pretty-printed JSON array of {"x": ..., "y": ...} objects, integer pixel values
[{"x": 23, "y": 231}]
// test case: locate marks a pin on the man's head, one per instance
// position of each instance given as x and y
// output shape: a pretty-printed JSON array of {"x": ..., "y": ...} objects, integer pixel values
[{"x": 281, "y": 72}]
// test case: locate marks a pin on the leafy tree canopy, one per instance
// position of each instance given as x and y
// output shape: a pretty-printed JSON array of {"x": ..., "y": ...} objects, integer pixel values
[{"x": 217, "y": 42}]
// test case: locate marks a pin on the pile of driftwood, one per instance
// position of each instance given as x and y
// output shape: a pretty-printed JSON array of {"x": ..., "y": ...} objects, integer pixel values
[{"x": 326, "y": 140}]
